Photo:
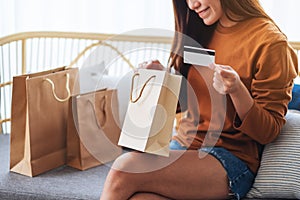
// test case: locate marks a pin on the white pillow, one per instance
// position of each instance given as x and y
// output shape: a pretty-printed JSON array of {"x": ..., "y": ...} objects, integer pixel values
[
  {"x": 279, "y": 172},
  {"x": 89, "y": 77}
]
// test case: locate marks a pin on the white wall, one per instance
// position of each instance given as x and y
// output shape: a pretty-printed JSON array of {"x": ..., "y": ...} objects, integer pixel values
[
  {"x": 286, "y": 14},
  {"x": 103, "y": 16},
  {"x": 116, "y": 16}
]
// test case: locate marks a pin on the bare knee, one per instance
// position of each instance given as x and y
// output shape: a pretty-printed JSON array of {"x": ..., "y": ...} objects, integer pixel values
[
  {"x": 121, "y": 175},
  {"x": 125, "y": 177},
  {"x": 135, "y": 162},
  {"x": 118, "y": 183},
  {"x": 126, "y": 161},
  {"x": 116, "y": 186}
]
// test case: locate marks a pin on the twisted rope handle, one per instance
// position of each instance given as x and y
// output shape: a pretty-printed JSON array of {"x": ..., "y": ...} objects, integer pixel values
[
  {"x": 103, "y": 99},
  {"x": 141, "y": 92},
  {"x": 67, "y": 88}
]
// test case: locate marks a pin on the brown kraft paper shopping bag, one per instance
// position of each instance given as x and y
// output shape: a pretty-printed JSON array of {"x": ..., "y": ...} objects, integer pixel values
[
  {"x": 39, "y": 120},
  {"x": 93, "y": 129}
]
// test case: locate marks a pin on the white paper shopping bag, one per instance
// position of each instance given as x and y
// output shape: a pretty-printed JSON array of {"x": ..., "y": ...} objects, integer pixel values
[{"x": 151, "y": 111}]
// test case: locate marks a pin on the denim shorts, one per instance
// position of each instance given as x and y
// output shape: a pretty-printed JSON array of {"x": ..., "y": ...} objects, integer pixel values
[{"x": 239, "y": 175}]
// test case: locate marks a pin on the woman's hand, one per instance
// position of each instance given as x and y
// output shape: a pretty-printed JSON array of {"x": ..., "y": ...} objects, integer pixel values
[
  {"x": 226, "y": 80},
  {"x": 152, "y": 64}
]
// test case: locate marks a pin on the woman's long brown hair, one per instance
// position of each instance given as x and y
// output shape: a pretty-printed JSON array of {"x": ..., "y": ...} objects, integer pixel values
[{"x": 191, "y": 30}]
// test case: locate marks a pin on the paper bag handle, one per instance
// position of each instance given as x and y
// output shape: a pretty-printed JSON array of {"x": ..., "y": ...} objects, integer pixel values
[
  {"x": 102, "y": 109},
  {"x": 141, "y": 92},
  {"x": 67, "y": 88}
]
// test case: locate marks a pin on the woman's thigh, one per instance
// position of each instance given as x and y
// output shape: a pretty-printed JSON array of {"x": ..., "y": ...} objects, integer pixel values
[{"x": 182, "y": 175}]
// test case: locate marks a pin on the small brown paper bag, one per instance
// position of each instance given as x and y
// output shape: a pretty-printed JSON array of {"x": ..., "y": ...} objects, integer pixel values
[{"x": 93, "y": 129}]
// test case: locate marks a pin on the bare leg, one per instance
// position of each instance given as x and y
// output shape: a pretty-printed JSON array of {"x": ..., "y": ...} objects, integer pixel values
[{"x": 188, "y": 177}]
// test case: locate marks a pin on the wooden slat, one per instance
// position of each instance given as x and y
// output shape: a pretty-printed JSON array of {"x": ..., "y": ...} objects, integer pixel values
[{"x": 89, "y": 36}]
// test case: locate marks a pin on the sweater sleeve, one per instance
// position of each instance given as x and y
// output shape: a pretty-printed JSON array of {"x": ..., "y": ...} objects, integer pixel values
[
  {"x": 275, "y": 69},
  {"x": 182, "y": 99}
]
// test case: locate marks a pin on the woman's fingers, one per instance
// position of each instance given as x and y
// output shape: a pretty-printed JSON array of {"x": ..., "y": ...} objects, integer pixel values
[
  {"x": 218, "y": 83},
  {"x": 226, "y": 79}
]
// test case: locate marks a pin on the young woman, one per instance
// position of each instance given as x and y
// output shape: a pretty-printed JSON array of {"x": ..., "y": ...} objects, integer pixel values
[{"x": 216, "y": 159}]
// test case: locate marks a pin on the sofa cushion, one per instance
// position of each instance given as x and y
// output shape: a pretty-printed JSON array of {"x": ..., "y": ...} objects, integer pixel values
[
  {"x": 295, "y": 102},
  {"x": 279, "y": 172}
]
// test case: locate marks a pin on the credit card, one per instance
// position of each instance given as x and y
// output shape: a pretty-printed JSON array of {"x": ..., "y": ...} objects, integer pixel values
[{"x": 198, "y": 56}]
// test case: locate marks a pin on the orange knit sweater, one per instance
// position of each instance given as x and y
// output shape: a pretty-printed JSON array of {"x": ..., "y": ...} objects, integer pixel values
[{"x": 267, "y": 65}]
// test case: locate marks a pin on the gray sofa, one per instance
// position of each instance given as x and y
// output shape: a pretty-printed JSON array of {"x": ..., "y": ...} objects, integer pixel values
[
  {"x": 66, "y": 183},
  {"x": 63, "y": 183}
]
